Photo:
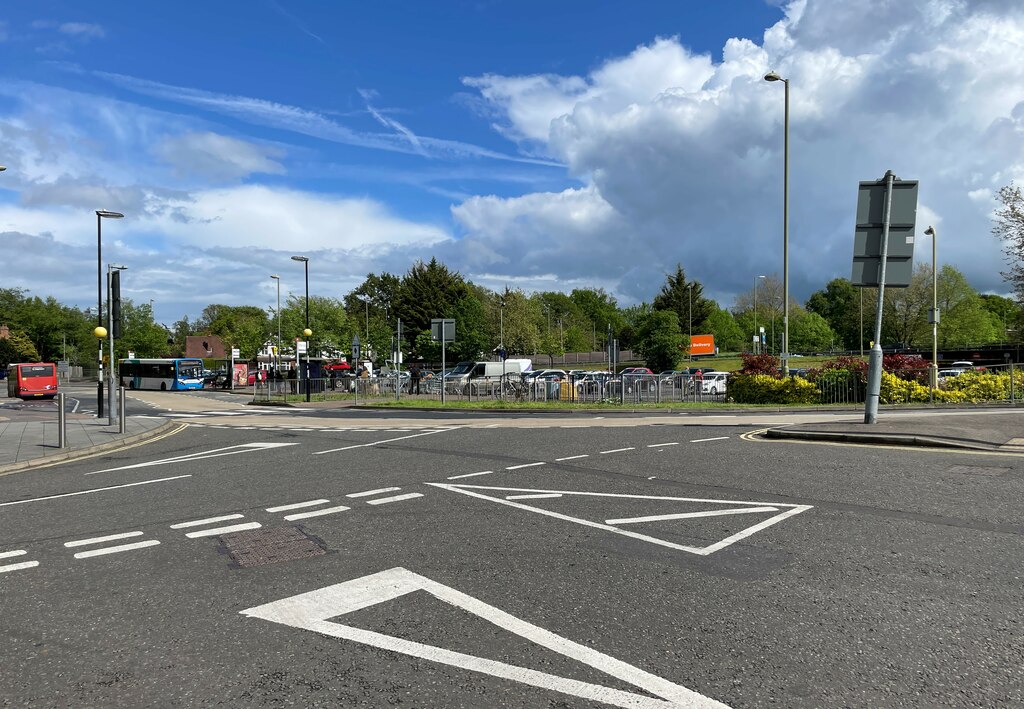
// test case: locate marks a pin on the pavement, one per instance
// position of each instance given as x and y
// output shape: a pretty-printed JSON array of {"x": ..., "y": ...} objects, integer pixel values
[{"x": 29, "y": 438}]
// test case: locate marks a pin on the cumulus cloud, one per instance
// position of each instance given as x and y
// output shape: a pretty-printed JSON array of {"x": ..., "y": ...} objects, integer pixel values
[{"x": 685, "y": 154}]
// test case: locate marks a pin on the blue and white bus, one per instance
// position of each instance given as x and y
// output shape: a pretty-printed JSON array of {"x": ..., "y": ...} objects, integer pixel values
[{"x": 162, "y": 374}]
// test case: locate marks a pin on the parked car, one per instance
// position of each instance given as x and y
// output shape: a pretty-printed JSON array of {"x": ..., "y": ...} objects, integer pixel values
[{"x": 714, "y": 382}]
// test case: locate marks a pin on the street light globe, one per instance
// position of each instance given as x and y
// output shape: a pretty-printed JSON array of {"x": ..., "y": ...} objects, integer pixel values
[
  {"x": 100, "y": 332},
  {"x": 307, "y": 332}
]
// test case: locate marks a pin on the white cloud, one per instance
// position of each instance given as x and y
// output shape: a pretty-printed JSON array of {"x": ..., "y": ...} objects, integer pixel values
[
  {"x": 218, "y": 156},
  {"x": 685, "y": 154},
  {"x": 82, "y": 30}
]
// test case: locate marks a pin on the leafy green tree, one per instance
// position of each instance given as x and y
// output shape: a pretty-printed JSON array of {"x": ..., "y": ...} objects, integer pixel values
[
  {"x": 472, "y": 340},
  {"x": 660, "y": 340},
  {"x": 139, "y": 333},
  {"x": 245, "y": 327},
  {"x": 603, "y": 312},
  {"x": 521, "y": 316},
  {"x": 728, "y": 335},
  {"x": 428, "y": 290},
  {"x": 1006, "y": 316},
  {"x": 17, "y": 348},
  {"x": 686, "y": 299},
  {"x": 839, "y": 304},
  {"x": 809, "y": 332}
]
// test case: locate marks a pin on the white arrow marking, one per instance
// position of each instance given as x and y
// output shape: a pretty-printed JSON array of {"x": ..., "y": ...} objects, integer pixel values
[
  {"x": 377, "y": 443},
  {"x": 311, "y": 611},
  {"x": 202, "y": 455}
]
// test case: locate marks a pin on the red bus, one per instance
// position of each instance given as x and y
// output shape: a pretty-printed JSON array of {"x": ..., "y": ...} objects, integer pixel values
[{"x": 29, "y": 381}]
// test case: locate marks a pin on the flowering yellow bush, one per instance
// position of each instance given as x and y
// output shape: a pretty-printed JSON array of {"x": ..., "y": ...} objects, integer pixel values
[
  {"x": 766, "y": 389},
  {"x": 902, "y": 391}
]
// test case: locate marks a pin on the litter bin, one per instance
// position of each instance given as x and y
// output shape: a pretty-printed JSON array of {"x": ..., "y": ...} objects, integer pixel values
[{"x": 568, "y": 391}]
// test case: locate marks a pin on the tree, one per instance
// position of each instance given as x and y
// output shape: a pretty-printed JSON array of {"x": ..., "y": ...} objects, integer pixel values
[
  {"x": 661, "y": 341},
  {"x": 428, "y": 290},
  {"x": 1009, "y": 228},
  {"x": 728, "y": 335},
  {"x": 244, "y": 326},
  {"x": 809, "y": 332},
  {"x": 839, "y": 304},
  {"x": 686, "y": 300},
  {"x": 16, "y": 347}
]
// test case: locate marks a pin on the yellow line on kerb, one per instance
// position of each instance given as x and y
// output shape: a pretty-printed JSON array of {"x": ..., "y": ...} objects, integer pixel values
[
  {"x": 177, "y": 429},
  {"x": 759, "y": 437}
]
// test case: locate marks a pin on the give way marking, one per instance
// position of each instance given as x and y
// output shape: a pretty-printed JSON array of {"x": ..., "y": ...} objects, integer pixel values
[
  {"x": 202, "y": 455},
  {"x": 311, "y": 611},
  {"x": 611, "y": 525}
]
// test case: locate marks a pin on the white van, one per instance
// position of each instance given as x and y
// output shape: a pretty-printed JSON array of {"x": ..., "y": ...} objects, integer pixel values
[{"x": 483, "y": 373}]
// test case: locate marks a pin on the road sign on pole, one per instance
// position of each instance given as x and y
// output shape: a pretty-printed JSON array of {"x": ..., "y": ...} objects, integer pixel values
[
  {"x": 872, "y": 225},
  {"x": 442, "y": 326}
]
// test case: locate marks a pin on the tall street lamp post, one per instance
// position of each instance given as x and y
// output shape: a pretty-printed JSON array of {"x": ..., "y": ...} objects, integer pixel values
[
  {"x": 278, "y": 358},
  {"x": 757, "y": 333},
  {"x": 933, "y": 317},
  {"x": 772, "y": 76},
  {"x": 306, "y": 332},
  {"x": 101, "y": 214},
  {"x": 689, "y": 298},
  {"x": 112, "y": 369}
]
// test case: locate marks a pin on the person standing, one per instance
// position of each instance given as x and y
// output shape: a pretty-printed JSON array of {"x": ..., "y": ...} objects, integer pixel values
[
  {"x": 293, "y": 376},
  {"x": 414, "y": 379}
]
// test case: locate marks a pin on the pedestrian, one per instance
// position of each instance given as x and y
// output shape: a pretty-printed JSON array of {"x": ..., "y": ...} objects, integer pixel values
[
  {"x": 334, "y": 376},
  {"x": 293, "y": 376},
  {"x": 414, "y": 378}
]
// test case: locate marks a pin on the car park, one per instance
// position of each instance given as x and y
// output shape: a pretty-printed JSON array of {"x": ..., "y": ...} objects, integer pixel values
[{"x": 714, "y": 383}]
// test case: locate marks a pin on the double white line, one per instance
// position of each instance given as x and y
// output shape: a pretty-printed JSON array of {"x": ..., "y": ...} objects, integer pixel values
[{"x": 109, "y": 550}]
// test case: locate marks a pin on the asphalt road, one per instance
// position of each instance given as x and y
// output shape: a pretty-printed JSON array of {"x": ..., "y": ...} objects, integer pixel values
[{"x": 675, "y": 565}]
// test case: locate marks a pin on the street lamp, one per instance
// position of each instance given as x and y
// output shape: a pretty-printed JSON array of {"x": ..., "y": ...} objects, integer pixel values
[
  {"x": 933, "y": 318},
  {"x": 689, "y": 297},
  {"x": 772, "y": 76},
  {"x": 112, "y": 369},
  {"x": 306, "y": 332},
  {"x": 757, "y": 333},
  {"x": 278, "y": 363},
  {"x": 101, "y": 214}
]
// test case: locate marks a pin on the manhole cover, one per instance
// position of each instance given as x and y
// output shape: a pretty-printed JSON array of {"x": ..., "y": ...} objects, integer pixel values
[
  {"x": 259, "y": 547},
  {"x": 979, "y": 470}
]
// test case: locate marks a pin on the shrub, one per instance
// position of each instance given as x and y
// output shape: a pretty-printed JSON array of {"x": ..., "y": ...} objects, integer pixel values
[
  {"x": 761, "y": 364},
  {"x": 769, "y": 389}
]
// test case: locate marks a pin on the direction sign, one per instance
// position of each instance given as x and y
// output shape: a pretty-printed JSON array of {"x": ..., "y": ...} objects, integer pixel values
[{"x": 445, "y": 325}]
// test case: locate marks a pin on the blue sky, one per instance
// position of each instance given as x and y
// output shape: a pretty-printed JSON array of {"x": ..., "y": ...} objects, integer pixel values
[{"x": 535, "y": 144}]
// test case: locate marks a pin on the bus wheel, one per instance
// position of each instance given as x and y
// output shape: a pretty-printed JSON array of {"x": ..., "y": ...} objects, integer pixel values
[{"x": 163, "y": 386}]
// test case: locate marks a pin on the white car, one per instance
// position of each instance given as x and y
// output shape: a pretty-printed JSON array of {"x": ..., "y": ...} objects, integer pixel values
[{"x": 714, "y": 382}]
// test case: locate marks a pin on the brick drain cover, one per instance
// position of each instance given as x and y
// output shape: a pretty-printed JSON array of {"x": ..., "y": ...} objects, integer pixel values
[{"x": 274, "y": 545}]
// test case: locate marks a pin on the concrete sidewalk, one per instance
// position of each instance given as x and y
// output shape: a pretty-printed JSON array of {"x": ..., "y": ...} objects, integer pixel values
[
  {"x": 32, "y": 442},
  {"x": 973, "y": 429}
]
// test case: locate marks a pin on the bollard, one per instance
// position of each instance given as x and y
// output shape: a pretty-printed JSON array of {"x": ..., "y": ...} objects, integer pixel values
[
  {"x": 121, "y": 421},
  {"x": 62, "y": 422}
]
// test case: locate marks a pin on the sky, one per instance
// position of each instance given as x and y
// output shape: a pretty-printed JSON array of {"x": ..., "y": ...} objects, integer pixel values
[{"x": 529, "y": 144}]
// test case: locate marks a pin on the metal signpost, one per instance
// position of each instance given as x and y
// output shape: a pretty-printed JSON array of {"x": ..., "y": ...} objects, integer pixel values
[
  {"x": 442, "y": 330},
  {"x": 883, "y": 255}
]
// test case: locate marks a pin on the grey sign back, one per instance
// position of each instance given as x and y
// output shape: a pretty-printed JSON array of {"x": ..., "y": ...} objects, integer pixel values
[{"x": 867, "y": 237}]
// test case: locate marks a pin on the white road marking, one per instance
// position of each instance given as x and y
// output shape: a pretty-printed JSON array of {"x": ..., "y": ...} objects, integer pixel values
[
  {"x": 316, "y": 513},
  {"x": 18, "y": 566},
  {"x": 95, "y": 489},
  {"x": 571, "y": 457},
  {"x": 9, "y": 554},
  {"x": 223, "y": 530},
  {"x": 655, "y": 445},
  {"x": 537, "y": 496},
  {"x": 703, "y": 551},
  {"x": 297, "y": 505},
  {"x": 524, "y": 465},
  {"x": 373, "y": 492},
  {"x": 617, "y": 450},
  {"x": 704, "y": 440},
  {"x": 316, "y": 611},
  {"x": 208, "y": 520},
  {"x": 117, "y": 549},
  {"x": 470, "y": 475},
  {"x": 97, "y": 540},
  {"x": 202, "y": 455},
  {"x": 377, "y": 443},
  {"x": 689, "y": 515},
  {"x": 396, "y": 498}
]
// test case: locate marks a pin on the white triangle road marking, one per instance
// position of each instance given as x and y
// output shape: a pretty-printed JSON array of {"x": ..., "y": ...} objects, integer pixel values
[
  {"x": 477, "y": 491},
  {"x": 312, "y": 611}
]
